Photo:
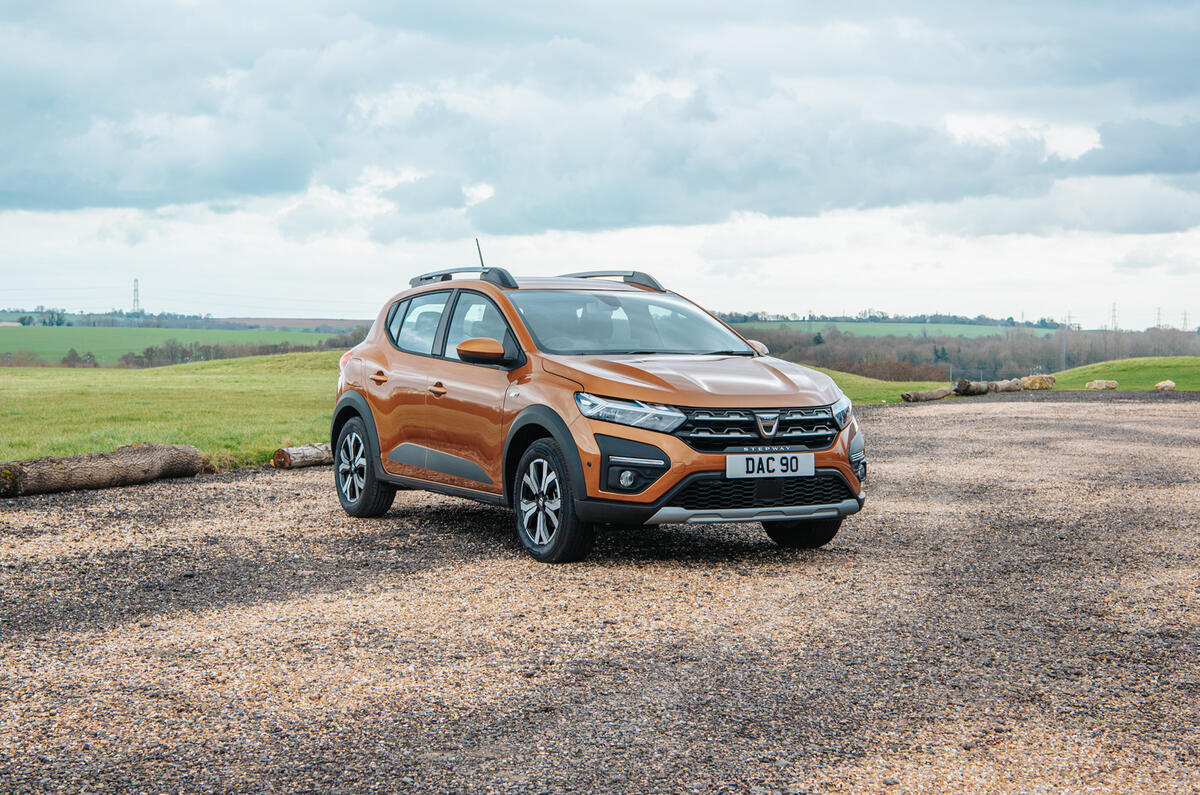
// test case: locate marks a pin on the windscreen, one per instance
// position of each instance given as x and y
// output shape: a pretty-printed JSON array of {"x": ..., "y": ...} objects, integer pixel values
[{"x": 611, "y": 322}]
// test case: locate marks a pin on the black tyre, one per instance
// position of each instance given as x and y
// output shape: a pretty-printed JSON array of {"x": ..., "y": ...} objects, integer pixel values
[
  {"x": 802, "y": 533},
  {"x": 354, "y": 473},
  {"x": 545, "y": 509}
]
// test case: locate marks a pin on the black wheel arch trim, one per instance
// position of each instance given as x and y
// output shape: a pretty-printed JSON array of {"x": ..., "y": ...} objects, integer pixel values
[
  {"x": 547, "y": 418},
  {"x": 354, "y": 401}
]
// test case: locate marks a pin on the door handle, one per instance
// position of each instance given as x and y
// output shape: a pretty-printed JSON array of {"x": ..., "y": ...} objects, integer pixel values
[
  {"x": 378, "y": 376},
  {"x": 437, "y": 389}
]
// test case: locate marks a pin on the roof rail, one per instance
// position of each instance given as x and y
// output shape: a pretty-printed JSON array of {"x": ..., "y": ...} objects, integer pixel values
[
  {"x": 497, "y": 276},
  {"x": 629, "y": 277}
]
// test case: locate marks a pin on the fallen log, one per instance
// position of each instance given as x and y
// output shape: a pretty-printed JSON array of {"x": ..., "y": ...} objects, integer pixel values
[
  {"x": 306, "y": 455},
  {"x": 125, "y": 466},
  {"x": 1012, "y": 385},
  {"x": 929, "y": 394},
  {"x": 968, "y": 388}
]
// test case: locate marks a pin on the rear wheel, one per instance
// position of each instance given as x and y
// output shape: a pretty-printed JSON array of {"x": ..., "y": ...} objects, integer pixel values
[
  {"x": 354, "y": 473},
  {"x": 543, "y": 501},
  {"x": 802, "y": 533}
]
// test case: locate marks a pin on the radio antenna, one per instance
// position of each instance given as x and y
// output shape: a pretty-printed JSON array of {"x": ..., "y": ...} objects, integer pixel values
[{"x": 477, "y": 248}]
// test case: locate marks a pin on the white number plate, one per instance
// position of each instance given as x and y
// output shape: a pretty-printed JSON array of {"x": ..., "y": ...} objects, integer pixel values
[{"x": 770, "y": 465}]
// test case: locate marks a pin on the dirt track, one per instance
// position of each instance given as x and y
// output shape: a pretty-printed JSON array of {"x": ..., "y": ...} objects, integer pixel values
[{"x": 1016, "y": 609}]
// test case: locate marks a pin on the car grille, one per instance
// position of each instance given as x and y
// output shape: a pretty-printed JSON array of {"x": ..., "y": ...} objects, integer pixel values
[
  {"x": 825, "y": 488},
  {"x": 719, "y": 430}
]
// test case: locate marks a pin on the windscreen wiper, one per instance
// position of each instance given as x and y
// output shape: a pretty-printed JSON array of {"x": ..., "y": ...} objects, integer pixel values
[{"x": 727, "y": 353}]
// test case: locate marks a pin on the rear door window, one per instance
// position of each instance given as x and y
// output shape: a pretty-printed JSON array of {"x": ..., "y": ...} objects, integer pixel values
[{"x": 418, "y": 329}]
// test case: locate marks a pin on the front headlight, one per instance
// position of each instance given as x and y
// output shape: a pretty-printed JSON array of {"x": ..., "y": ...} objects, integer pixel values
[
  {"x": 650, "y": 416},
  {"x": 842, "y": 411}
]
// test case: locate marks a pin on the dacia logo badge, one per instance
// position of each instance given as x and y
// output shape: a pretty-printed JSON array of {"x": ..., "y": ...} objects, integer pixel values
[{"x": 768, "y": 423}]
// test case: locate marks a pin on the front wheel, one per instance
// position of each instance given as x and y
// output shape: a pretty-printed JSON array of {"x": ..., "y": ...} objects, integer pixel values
[
  {"x": 358, "y": 486},
  {"x": 802, "y": 533},
  {"x": 545, "y": 509}
]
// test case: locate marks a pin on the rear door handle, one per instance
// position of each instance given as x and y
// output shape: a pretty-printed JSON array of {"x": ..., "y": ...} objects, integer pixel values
[
  {"x": 379, "y": 376},
  {"x": 437, "y": 389}
]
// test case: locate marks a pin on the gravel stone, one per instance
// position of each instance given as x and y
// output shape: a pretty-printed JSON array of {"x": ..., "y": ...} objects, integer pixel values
[{"x": 1014, "y": 610}]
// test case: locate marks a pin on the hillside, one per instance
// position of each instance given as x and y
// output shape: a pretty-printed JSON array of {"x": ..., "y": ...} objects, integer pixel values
[
  {"x": 1140, "y": 373},
  {"x": 109, "y": 343}
]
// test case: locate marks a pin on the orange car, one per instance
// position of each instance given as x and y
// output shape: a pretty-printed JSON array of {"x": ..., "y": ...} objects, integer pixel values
[{"x": 581, "y": 402}]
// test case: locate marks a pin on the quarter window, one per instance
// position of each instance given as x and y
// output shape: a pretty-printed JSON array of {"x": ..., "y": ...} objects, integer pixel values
[{"x": 420, "y": 324}]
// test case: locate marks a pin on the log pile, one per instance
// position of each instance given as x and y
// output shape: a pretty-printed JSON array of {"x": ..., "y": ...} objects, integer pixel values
[
  {"x": 125, "y": 466},
  {"x": 306, "y": 455}
]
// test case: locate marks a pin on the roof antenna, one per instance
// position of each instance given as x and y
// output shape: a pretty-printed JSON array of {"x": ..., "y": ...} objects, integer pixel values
[{"x": 477, "y": 248}]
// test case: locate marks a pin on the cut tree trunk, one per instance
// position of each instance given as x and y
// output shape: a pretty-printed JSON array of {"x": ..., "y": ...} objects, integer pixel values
[
  {"x": 1013, "y": 385},
  {"x": 125, "y": 466},
  {"x": 967, "y": 388},
  {"x": 929, "y": 394},
  {"x": 304, "y": 456}
]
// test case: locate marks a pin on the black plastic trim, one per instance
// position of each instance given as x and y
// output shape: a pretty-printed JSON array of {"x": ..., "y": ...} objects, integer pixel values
[
  {"x": 353, "y": 399},
  {"x": 547, "y": 418},
  {"x": 442, "y": 488},
  {"x": 436, "y": 461},
  {"x": 603, "y": 511}
]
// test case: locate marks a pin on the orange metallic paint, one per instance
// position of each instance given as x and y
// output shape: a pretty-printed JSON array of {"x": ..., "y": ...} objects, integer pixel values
[{"x": 465, "y": 409}]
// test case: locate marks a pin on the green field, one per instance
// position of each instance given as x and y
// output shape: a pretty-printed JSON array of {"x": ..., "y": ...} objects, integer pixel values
[
  {"x": 883, "y": 329},
  {"x": 1141, "y": 373},
  {"x": 238, "y": 411},
  {"x": 109, "y": 343}
]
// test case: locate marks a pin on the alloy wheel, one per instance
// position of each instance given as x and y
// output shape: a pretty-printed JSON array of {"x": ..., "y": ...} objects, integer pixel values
[
  {"x": 540, "y": 501},
  {"x": 352, "y": 466}
]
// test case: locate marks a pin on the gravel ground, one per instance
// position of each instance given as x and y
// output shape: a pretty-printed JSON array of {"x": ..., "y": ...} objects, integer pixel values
[{"x": 1015, "y": 610}]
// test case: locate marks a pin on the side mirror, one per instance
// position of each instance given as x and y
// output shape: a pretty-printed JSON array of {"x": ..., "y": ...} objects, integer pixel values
[
  {"x": 481, "y": 350},
  {"x": 760, "y": 349}
]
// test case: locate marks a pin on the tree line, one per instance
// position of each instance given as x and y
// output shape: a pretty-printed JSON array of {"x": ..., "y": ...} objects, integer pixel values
[{"x": 1014, "y": 353}]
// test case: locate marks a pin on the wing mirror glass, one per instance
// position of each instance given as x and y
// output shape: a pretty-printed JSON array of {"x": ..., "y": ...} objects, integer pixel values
[{"x": 759, "y": 348}]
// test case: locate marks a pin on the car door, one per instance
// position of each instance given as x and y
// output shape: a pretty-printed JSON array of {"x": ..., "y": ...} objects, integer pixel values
[
  {"x": 465, "y": 407},
  {"x": 399, "y": 384}
]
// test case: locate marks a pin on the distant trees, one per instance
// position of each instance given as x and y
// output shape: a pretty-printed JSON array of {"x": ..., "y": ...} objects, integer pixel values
[
  {"x": 73, "y": 359},
  {"x": 1015, "y": 352},
  {"x": 174, "y": 352},
  {"x": 25, "y": 320}
]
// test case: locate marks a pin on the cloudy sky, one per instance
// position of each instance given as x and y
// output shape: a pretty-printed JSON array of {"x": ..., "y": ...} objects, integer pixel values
[{"x": 306, "y": 159}]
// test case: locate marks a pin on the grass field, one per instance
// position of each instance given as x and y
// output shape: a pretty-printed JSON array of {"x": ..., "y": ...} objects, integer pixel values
[
  {"x": 1141, "y": 373},
  {"x": 883, "y": 329},
  {"x": 237, "y": 411},
  {"x": 108, "y": 344}
]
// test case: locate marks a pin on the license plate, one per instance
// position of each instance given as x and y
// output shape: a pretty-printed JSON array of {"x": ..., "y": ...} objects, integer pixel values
[{"x": 770, "y": 465}]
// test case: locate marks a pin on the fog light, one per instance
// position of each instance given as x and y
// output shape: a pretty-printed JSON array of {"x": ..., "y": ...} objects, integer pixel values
[{"x": 626, "y": 479}]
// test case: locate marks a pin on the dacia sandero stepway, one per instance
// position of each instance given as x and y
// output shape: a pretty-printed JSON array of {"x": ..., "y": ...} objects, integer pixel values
[{"x": 581, "y": 401}]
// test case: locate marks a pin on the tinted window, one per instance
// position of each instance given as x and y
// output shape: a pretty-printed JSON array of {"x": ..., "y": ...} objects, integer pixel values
[
  {"x": 474, "y": 316},
  {"x": 597, "y": 322},
  {"x": 420, "y": 323}
]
